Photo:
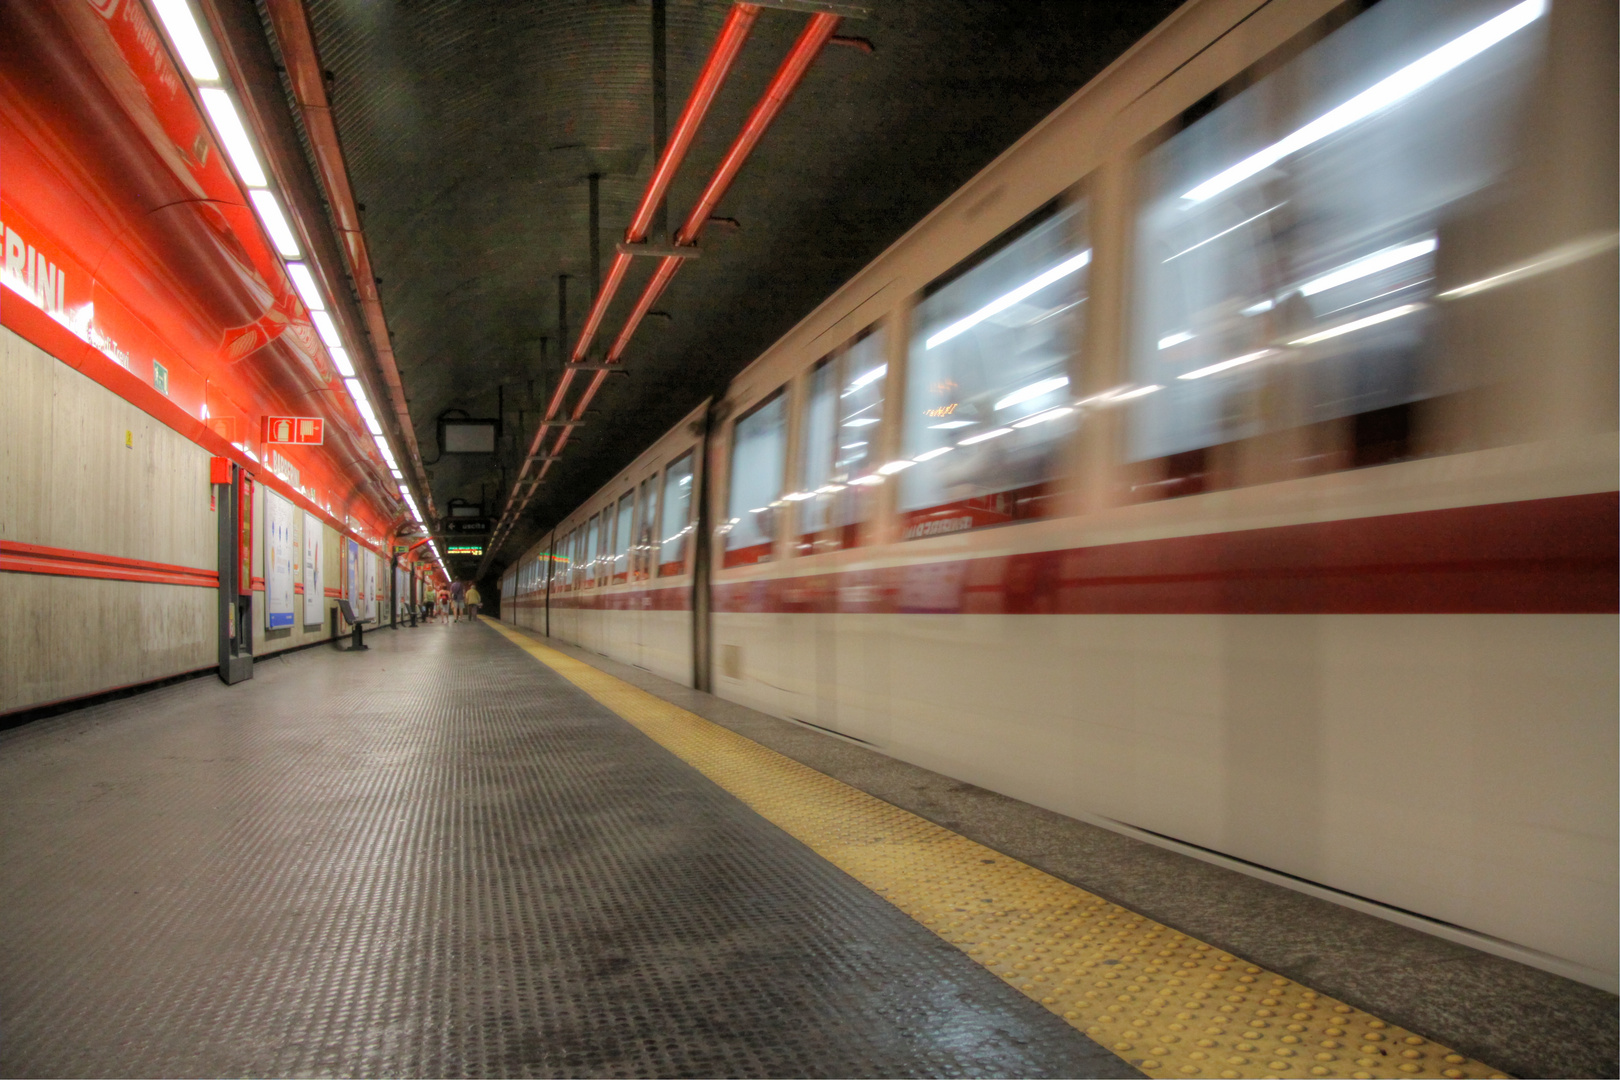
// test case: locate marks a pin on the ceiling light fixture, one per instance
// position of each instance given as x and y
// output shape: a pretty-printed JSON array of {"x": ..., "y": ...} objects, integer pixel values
[
  {"x": 222, "y": 110},
  {"x": 275, "y": 222},
  {"x": 188, "y": 40},
  {"x": 304, "y": 281}
]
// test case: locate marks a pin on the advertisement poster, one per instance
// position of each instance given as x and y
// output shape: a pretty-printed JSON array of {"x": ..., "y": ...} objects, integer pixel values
[
  {"x": 278, "y": 561},
  {"x": 314, "y": 579},
  {"x": 369, "y": 557},
  {"x": 351, "y": 575}
]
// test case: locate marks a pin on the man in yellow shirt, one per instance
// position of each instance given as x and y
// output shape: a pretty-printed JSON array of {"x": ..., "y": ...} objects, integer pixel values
[{"x": 472, "y": 600}]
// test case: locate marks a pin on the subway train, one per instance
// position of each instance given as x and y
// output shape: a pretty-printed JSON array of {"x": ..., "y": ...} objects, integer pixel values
[{"x": 1231, "y": 463}]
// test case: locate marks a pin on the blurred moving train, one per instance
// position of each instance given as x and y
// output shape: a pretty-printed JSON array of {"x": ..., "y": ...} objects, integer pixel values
[{"x": 1233, "y": 462}]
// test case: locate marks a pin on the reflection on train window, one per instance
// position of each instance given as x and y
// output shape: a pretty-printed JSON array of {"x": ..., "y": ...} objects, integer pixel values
[
  {"x": 757, "y": 445},
  {"x": 842, "y": 418},
  {"x": 621, "y": 538},
  {"x": 579, "y": 557},
  {"x": 1288, "y": 240},
  {"x": 988, "y": 400},
  {"x": 641, "y": 550},
  {"x": 676, "y": 520}
]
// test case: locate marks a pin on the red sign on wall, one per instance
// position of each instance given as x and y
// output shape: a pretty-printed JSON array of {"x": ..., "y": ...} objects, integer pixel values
[{"x": 307, "y": 430}]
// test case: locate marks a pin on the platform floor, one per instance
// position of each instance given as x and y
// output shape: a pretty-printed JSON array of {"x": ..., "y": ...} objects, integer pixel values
[
  {"x": 439, "y": 858},
  {"x": 466, "y": 853}
]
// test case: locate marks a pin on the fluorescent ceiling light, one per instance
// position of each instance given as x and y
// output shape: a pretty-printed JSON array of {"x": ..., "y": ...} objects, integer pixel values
[
  {"x": 1378, "y": 260},
  {"x": 1404, "y": 83},
  {"x": 936, "y": 452},
  {"x": 275, "y": 222},
  {"x": 304, "y": 281},
  {"x": 1175, "y": 339},
  {"x": 799, "y": 496},
  {"x": 1002, "y": 303},
  {"x": 1043, "y": 417},
  {"x": 866, "y": 377},
  {"x": 860, "y": 421},
  {"x": 1559, "y": 257},
  {"x": 872, "y": 478},
  {"x": 398, "y": 476},
  {"x": 340, "y": 358},
  {"x": 852, "y": 446},
  {"x": 829, "y": 489},
  {"x": 187, "y": 38},
  {"x": 327, "y": 328},
  {"x": 1349, "y": 327},
  {"x": 235, "y": 137},
  {"x": 1223, "y": 232},
  {"x": 1236, "y": 361},
  {"x": 986, "y": 436},
  {"x": 1259, "y": 309},
  {"x": 1033, "y": 390},
  {"x": 950, "y": 425},
  {"x": 895, "y": 466}
]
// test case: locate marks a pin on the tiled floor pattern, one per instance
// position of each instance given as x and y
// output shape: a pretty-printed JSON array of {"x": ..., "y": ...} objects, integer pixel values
[{"x": 440, "y": 858}]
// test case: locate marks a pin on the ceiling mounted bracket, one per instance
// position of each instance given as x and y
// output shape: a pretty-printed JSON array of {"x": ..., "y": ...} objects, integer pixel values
[
  {"x": 561, "y": 424},
  {"x": 611, "y": 369},
  {"x": 818, "y": 7},
  {"x": 659, "y": 251}
]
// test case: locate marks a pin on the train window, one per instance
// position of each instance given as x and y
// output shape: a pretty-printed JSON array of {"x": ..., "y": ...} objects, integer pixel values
[
  {"x": 988, "y": 400},
  {"x": 758, "y": 442},
  {"x": 579, "y": 557},
  {"x": 675, "y": 520},
  {"x": 621, "y": 537},
  {"x": 845, "y": 411},
  {"x": 641, "y": 550},
  {"x": 1287, "y": 241}
]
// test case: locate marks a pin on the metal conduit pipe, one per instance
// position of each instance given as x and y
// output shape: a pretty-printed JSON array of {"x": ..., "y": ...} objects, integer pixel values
[
  {"x": 722, "y": 56},
  {"x": 788, "y": 76},
  {"x": 291, "y": 23}
]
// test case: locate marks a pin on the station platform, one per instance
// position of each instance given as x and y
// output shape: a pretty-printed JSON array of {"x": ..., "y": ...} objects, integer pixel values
[{"x": 468, "y": 851}]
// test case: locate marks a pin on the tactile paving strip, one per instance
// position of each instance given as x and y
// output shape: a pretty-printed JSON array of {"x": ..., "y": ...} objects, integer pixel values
[
  {"x": 1168, "y": 1004},
  {"x": 439, "y": 858}
]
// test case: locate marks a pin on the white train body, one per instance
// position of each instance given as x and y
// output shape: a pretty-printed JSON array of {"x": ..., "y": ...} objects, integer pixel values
[{"x": 1274, "y": 521}]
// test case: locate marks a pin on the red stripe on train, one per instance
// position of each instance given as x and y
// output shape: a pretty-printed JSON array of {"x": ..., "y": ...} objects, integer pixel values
[{"x": 1544, "y": 555}]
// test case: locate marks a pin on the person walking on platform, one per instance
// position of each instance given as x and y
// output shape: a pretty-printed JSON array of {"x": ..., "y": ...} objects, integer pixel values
[
  {"x": 473, "y": 599},
  {"x": 458, "y": 593},
  {"x": 443, "y": 609}
]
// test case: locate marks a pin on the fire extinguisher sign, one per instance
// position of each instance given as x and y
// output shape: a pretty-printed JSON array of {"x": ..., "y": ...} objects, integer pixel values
[{"x": 294, "y": 430}]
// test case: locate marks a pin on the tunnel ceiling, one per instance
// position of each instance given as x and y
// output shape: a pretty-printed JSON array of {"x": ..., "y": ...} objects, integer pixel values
[{"x": 470, "y": 129}]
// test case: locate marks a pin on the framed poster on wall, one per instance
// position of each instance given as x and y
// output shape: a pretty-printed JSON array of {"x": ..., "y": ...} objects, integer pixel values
[
  {"x": 279, "y": 559},
  {"x": 369, "y": 557},
  {"x": 351, "y": 574},
  {"x": 314, "y": 579}
]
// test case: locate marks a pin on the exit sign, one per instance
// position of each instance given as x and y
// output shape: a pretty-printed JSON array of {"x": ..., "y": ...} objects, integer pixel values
[{"x": 307, "y": 430}]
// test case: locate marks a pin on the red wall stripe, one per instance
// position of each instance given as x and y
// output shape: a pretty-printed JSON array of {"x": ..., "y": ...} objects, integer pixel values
[
  {"x": 57, "y": 340},
  {"x": 63, "y": 562}
]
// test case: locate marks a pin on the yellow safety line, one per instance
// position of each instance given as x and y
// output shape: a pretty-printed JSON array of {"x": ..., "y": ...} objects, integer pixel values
[{"x": 1169, "y": 1004}]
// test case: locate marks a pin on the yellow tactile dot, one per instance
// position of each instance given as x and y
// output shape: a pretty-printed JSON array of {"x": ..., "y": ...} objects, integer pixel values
[{"x": 1038, "y": 933}]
